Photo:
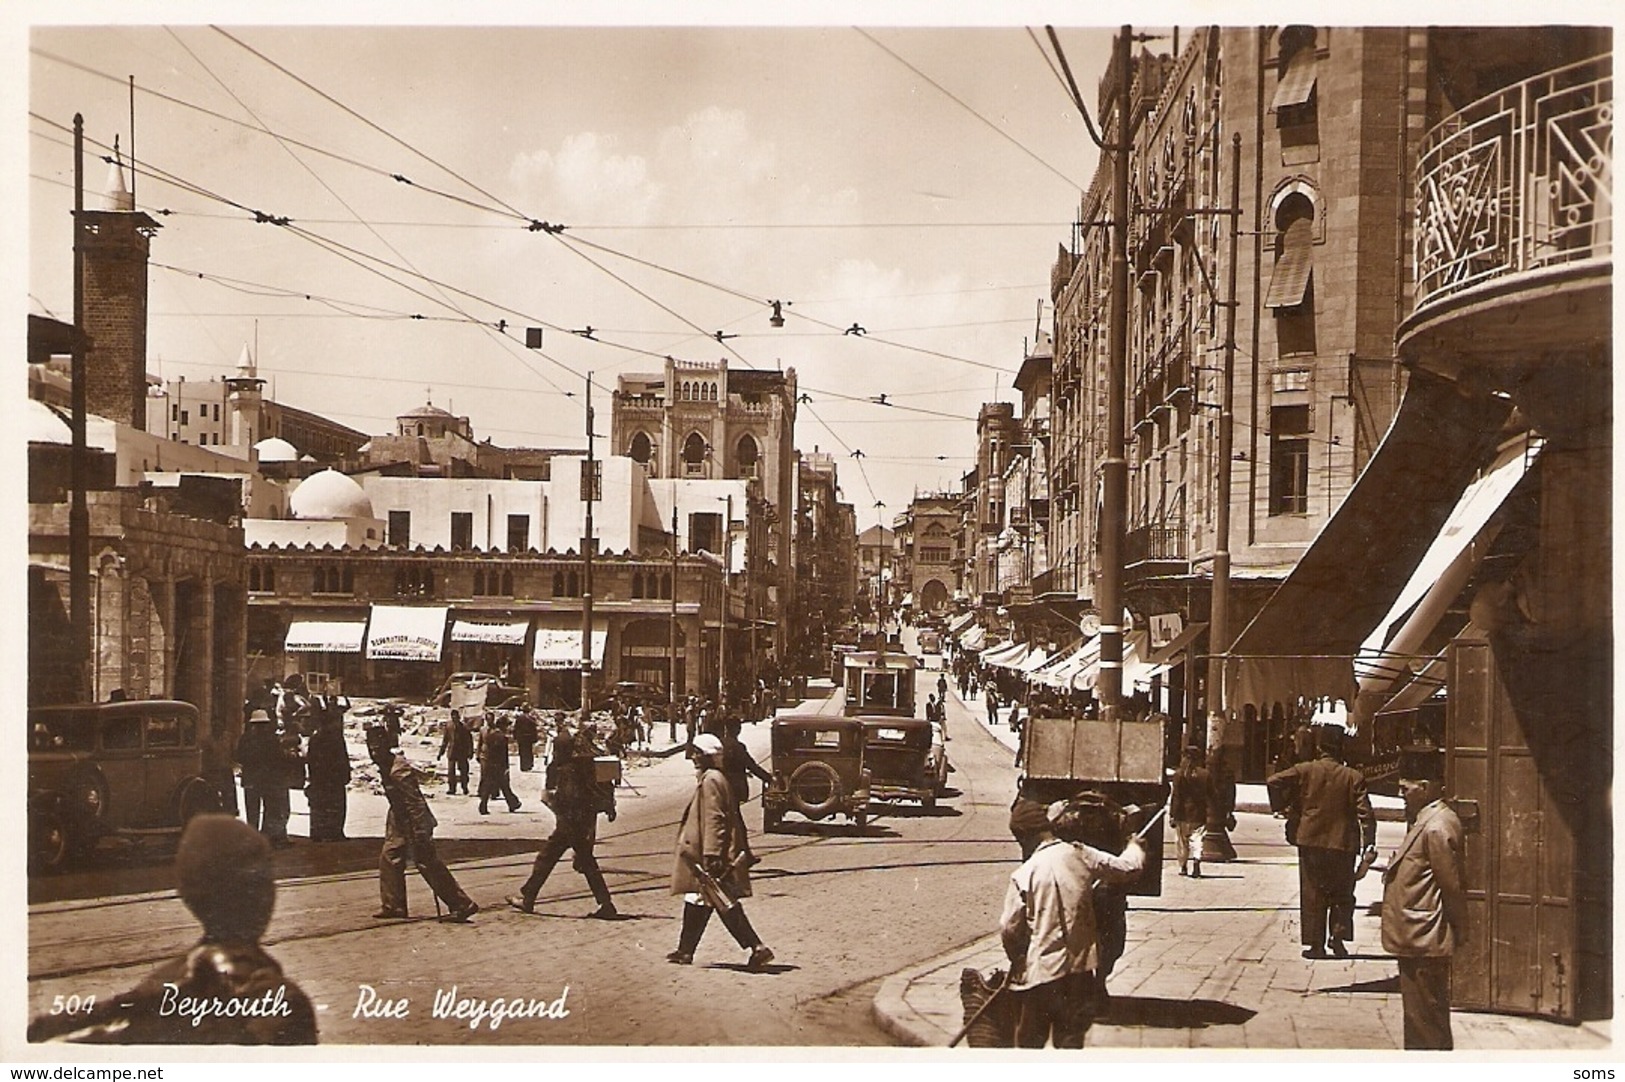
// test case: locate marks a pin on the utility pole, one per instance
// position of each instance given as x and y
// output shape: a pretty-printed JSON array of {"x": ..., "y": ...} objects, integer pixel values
[
  {"x": 727, "y": 605},
  {"x": 1114, "y": 470},
  {"x": 1216, "y": 842},
  {"x": 78, "y": 508},
  {"x": 589, "y": 484},
  {"x": 671, "y": 674}
]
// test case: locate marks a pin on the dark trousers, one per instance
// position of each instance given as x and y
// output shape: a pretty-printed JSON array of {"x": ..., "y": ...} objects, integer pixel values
[
  {"x": 268, "y": 810},
  {"x": 495, "y": 784},
  {"x": 527, "y": 755},
  {"x": 1060, "y": 1011},
  {"x": 1424, "y": 988},
  {"x": 1326, "y": 894},
  {"x": 456, "y": 770},
  {"x": 392, "y": 870},
  {"x": 573, "y": 833},
  {"x": 225, "y": 783},
  {"x": 253, "y": 805},
  {"x": 328, "y": 807}
]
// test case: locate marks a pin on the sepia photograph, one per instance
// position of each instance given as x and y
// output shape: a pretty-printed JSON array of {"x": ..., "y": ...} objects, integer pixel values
[{"x": 884, "y": 533}]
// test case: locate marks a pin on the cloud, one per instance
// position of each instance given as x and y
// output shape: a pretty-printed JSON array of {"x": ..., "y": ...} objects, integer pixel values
[{"x": 585, "y": 176}]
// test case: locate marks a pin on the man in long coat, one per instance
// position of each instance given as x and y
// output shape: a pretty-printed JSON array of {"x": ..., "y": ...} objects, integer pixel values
[
  {"x": 1330, "y": 820},
  {"x": 1424, "y": 901},
  {"x": 712, "y": 839},
  {"x": 327, "y": 762},
  {"x": 409, "y": 832}
]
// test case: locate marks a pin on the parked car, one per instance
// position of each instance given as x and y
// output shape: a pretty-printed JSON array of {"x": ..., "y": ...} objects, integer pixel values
[
  {"x": 640, "y": 692},
  {"x": 818, "y": 770},
  {"x": 905, "y": 758},
  {"x": 499, "y": 695},
  {"x": 97, "y": 769}
]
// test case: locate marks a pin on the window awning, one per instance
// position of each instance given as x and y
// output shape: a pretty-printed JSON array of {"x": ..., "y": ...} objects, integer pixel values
[
  {"x": 961, "y": 622},
  {"x": 1008, "y": 658},
  {"x": 1303, "y": 641},
  {"x": 325, "y": 636},
  {"x": 1058, "y": 669},
  {"x": 559, "y": 647},
  {"x": 501, "y": 632},
  {"x": 973, "y": 639},
  {"x": 1297, "y": 83},
  {"x": 1290, "y": 281},
  {"x": 1035, "y": 660},
  {"x": 406, "y": 632}
]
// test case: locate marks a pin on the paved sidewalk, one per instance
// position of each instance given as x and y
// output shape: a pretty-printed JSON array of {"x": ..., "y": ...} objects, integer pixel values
[{"x": 1215, "y": 963}]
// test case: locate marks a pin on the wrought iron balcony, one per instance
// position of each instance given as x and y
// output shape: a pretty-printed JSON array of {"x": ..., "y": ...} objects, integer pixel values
[
  {"x": 1518, "y": 181},
  {"x": 1161, "y": 543}
]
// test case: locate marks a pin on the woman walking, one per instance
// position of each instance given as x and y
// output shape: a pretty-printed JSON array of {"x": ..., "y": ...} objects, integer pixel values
[{"x": 713, "y": 861}]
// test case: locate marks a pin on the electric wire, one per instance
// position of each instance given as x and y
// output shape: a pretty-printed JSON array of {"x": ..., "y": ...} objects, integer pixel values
[{"x": 961, "y": 103}]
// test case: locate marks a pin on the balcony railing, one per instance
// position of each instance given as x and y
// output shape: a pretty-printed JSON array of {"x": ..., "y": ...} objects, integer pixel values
[
  {"x": 1518, "y": 181},
  {"x": 1163, "y": 542}
]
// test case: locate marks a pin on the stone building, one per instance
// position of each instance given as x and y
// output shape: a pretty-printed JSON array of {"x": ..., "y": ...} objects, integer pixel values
[
  {"x": 699, "y": 420},
  {"x": 1321, "y": 114}
]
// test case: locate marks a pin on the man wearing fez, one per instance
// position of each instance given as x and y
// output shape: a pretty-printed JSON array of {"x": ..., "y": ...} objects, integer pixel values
[
  {"x": 223, "y": 990},
  {"x": 409, "y": 831},
  {"x": 1424, "y": 902}
]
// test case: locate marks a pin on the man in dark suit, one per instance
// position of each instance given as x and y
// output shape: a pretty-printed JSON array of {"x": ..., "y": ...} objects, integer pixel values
[
  {"x": 1424, "y": 901},
  {"x": 1330, "y": 819},
  {"x": 457, "y": 748}
]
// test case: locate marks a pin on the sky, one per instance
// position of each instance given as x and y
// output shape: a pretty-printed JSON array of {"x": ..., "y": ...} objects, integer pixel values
[{"x": 914, "y": 182}]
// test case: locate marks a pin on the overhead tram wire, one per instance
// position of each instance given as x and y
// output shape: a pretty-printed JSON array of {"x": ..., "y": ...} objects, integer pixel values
[
  {"x": 365, "y": 261},
  {"x": 356, "y": 256},
  {"x": 387, "y": 174},
  {"x": 962, "y": 104},
  {"x": 369, "y": 123},
  {"x": 320, "y": 179}
]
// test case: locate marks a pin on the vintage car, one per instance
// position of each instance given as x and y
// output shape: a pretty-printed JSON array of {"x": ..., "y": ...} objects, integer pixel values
[
  {"x": 97, "y": 769},
  {"x": 905, "y": 758},
  {"x": 818, "y": 770},
  {"x": 471, "y": 690}
]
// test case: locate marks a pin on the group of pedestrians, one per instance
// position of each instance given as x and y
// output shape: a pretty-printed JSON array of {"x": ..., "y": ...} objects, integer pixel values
[
  {"x": 713, "y": 854},
  {"x": 293, "y": 739}
]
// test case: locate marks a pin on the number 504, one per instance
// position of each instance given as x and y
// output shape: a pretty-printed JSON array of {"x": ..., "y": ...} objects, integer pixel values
[{"x": 72, "y": 1004}]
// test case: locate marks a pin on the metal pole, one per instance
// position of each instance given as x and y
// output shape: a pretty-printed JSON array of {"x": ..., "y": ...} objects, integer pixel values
[
  {"x": 1216, "y": 842},
  {"x": 1114, "y": 470},
  {"x": 78, "y": 466},
  {"x": 671, "y": 674},
  {"x": 727, "y": 604},
  {"x": 587, "y": 484}
]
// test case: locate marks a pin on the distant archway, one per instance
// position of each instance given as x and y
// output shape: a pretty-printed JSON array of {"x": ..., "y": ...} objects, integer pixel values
[{"x": 933, "y": 596}]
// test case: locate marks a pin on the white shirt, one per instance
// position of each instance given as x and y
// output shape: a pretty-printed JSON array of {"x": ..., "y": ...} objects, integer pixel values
[{"x": 1050, "y": 905}]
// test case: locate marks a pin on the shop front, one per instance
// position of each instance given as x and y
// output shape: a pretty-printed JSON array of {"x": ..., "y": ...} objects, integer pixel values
[{"x": 404, "y": 646}]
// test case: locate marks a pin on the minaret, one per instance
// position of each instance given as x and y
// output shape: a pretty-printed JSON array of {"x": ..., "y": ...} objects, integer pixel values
[
  {"x": 243, "y": 399},
  {"x": 114, "y": 243}
]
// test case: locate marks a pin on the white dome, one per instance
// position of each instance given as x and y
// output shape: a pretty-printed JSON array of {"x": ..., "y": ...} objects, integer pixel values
[
  {"x": 276, "y": 449},
  {"x": 329, "y": 495}
]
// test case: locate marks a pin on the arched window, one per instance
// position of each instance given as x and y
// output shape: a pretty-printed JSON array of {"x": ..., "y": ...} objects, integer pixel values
[
  {"x": 1294, "y": 104},
  {"x": 348, "y": 580},
  {"x": 694, "y": 455},
  {"x": 713, "y": 392},
  {"x": 574, "y": 582},
  {"x": 642, "y": 449},
  {"x": 665, "y": 586},
  {"x": 637, "y": 584},
  {"x": 479, "y": 582},
  {"x": 747, "y": 456},
  {"x": 558, "y": 584},
  {"x": 507, "y": 584}
]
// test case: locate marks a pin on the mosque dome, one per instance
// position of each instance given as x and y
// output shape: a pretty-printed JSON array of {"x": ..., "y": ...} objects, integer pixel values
[
  {"x": 329, "y": 495},
  {"x": 276, "y": 449}
]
